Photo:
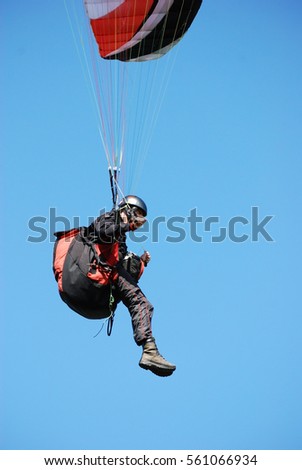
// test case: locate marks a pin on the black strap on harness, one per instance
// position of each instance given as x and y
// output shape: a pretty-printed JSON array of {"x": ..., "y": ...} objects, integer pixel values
[
  {"x": 113, "y": 175},
  {"x": 111, "y": 318},
  {"x": 91, "y": 243},
  {"x": 101, "y": 262}
]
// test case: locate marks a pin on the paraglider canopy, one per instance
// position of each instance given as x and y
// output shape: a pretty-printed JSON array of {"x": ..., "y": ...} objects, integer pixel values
[{"x": 139, "y": 30}]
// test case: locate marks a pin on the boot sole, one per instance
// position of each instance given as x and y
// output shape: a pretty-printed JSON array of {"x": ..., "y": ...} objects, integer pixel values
[{"x": 160, "y": 371}]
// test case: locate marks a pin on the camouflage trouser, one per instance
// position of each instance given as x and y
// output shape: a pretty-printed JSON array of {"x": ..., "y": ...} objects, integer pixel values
[{"x": 127, "y": 290}]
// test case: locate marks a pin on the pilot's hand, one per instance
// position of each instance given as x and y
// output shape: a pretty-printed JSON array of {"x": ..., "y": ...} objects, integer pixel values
[{"x": 146, "y": 257}]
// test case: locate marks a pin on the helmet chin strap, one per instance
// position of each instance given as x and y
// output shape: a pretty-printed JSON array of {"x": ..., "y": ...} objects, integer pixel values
[{"x": 130, "y": 213}]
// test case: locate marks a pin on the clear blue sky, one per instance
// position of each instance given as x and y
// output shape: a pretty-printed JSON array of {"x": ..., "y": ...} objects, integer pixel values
[{"x": 228, "y": 138}]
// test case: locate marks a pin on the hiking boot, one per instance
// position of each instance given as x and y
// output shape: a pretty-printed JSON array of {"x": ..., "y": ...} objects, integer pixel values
[{"x": 153, "y": 361}]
